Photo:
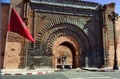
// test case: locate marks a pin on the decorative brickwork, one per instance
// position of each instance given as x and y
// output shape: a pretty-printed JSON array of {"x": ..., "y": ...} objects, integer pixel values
[{"x": 66, "y": 32}]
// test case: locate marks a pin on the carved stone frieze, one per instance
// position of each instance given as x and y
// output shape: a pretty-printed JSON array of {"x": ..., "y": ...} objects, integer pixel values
[{"x": 66, "y": 3}]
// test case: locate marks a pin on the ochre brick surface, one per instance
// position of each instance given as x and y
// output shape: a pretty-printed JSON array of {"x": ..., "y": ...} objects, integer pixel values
[
  {"x": 5, "y": 16},
  {"x": 12, "y": 55},
  {"x": 16, "y": 44},
  {"x": 118, "y": 39}
]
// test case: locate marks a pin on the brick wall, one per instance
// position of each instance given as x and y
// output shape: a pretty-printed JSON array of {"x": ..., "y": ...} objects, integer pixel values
[
  {"x": 109, "y": 39},
  {"x": 12, "y": 55},
  {"x": 5, "y": 16},
  {"x": 118, "y": 39},
  {"x": 37, "y": 21},
  {"x": 12, "y": 43}
]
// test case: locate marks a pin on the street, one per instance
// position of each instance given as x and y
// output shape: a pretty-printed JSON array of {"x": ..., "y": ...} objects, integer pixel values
[{"x": 68, "y": 74}]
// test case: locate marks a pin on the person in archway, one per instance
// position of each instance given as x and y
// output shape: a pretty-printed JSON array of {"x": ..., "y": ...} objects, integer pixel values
[
  {"x": 64, "y": 59},
  {"x": 58, "y": 60},
  {"x": 32, "y": 67}
]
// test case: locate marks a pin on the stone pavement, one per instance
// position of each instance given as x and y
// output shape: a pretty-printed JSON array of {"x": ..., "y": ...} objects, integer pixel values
[
  {"x": 26, "y": 71},
  {"x": 45, "y": 70},
  {"x": 106, "y": 69}
]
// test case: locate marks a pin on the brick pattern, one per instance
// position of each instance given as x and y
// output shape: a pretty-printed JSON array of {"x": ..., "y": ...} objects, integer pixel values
[
  {"x": 118, "y": 40},
  {"x": 12, "y": 55},
  {"x": 5, "y": 16},
  {"x": 110, "y": 36},
  {"x": 85, "y": 29}
]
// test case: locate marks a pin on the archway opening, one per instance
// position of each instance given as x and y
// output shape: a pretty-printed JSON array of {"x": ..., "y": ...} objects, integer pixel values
[
  {"x": 65, "y": 55},
  {"x": 65, "y": 52},
  {"x": 70, "y": 53}
]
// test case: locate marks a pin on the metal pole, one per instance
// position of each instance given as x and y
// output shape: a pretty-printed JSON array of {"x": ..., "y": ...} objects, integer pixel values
[{"x": 0, "y": 37}]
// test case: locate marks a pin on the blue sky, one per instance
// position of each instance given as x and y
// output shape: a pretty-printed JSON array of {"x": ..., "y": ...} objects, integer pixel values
[
  {"x": 6, "y": 1},
  {"x": 117, "y": 2}
]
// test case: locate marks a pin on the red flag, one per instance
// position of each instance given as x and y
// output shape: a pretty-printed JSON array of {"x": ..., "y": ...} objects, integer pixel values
[{"x": 17, "y": 25}]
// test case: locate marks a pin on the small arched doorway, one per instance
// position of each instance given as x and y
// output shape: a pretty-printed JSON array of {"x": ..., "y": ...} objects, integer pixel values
[{"x": 66, "y": 51}]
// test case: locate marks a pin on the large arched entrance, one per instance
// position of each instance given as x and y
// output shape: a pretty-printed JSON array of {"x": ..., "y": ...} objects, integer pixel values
[
  {"x": 65, "y": 51},
  {"x": 63, "y": 40}
]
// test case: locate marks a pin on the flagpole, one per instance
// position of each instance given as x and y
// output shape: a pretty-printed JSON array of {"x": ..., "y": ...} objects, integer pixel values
[{"x": 25, "y": 42}]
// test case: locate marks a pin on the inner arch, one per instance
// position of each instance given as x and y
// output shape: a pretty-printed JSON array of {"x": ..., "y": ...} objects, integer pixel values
[{"x": 65, "y": 46}]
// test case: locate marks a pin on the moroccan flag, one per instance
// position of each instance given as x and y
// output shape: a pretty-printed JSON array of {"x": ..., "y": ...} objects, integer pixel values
[{"x": 17, "y": 25}]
